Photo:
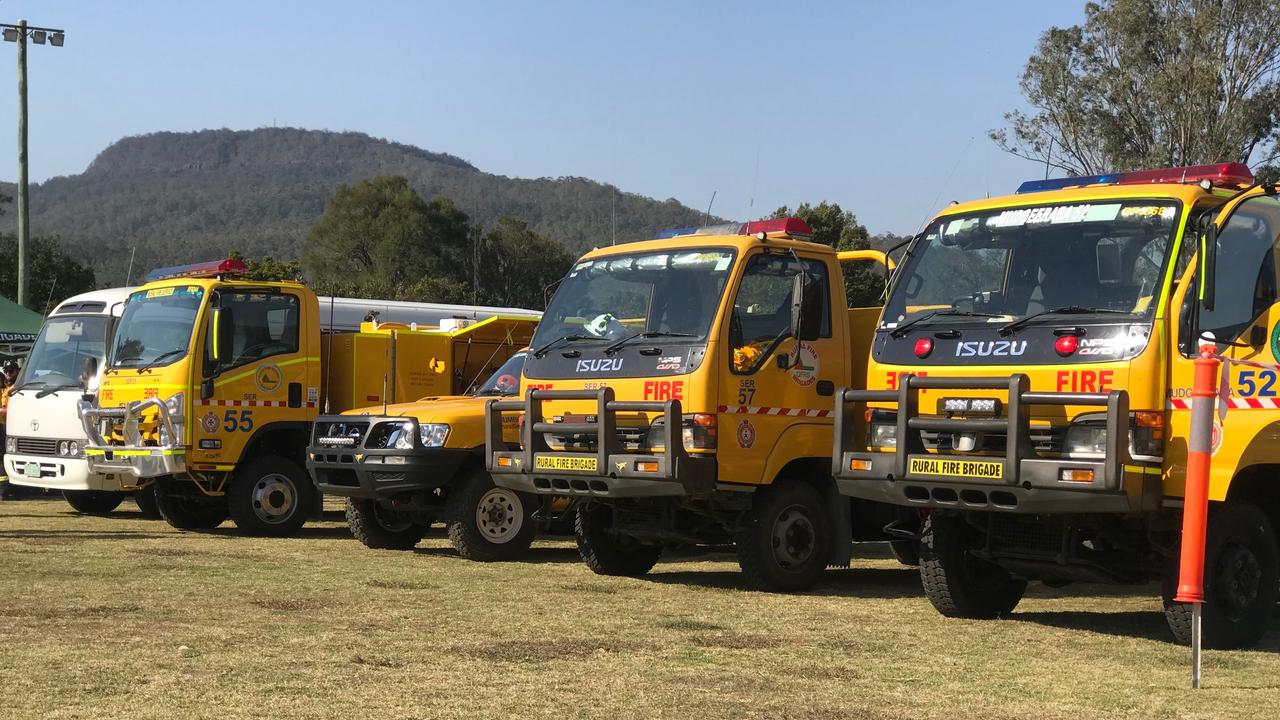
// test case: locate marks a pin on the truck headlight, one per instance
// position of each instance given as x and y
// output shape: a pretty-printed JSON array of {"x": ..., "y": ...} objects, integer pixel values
[
  {"x": 11, "y": 445},
  {"x": 882, "y": 428},
  {"x": 433, "y": 434},
  {"x": 404, "y": 437},
  {"x": 63, "y": 447},
  {"x": 697, "y": 432},
  {"x": 73, "y": 449},
  {"x": 1086, "y": 438},
  {"x": 175, "y": 405}
]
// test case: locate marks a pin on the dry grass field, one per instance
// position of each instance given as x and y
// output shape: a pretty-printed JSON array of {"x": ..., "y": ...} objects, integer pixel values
[{"x": 120, "y": 617}]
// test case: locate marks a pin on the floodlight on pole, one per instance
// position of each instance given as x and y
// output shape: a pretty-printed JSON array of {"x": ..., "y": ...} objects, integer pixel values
[{"x": 19, "y": 34}]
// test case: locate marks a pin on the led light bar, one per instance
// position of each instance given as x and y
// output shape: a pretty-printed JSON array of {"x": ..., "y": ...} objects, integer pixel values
[
  {"x": 792, "y": 226},
  {"x": 212, "y": 268},
  {"x": 1231, "y": 174}
]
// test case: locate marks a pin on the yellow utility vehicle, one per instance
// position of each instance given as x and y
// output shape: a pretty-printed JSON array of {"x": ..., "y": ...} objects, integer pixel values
[
  {"x": 403, "y": 467},
  {"x": 679, "y": 390},
  {"x": 212, "y": 383},
  {"x": 1028, "y": 391}
]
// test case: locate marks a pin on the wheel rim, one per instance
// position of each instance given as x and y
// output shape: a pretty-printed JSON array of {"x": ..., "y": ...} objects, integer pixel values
[
  {"x": 499, "y": 515},
  {"x": 274, "y": 498},
  {"x": 390, "y": 520},
  {"x": 793, "y": 538},
  {"x": 1237, "y": 580}
]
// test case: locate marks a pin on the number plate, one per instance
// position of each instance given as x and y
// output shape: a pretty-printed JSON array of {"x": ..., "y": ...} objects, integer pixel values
[
  {"x": 32, "y": 470},
  {"x": 984, "y": 469},
  {"x": 578, "y": 463}
]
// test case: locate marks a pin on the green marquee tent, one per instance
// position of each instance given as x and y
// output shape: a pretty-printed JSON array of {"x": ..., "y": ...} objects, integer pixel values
[{"x": 18, "y": 328}]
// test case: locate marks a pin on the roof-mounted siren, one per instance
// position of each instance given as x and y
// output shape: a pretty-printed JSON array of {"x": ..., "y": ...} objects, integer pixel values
[
  {"x": 792, "y": 227},
  {"x": 1225, "y": 175},
  {"x": 214, "y": 268}
]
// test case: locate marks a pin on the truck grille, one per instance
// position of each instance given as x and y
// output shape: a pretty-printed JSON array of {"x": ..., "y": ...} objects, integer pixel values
[
  {"x": 339, "y": 435},
  {"x": 37, "y": 446}
]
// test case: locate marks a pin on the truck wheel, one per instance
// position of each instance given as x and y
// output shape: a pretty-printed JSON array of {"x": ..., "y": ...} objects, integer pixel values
[
  {"x": 488, "y": 523},
  {"x": 146, "y": 500},
  {"x": 382, "y": 529},
  {"x": 786, "y": 541},
  {"x": 1241, "y": 572},
  {"x": 271, "y": 496},
  {"x": 957, "y": 583},
  {"x": 93, "y": 502},
  {"x": 607, "y": 552},
  {"x": 906, "y": 551},
  {"x": 189, "y": 511}
]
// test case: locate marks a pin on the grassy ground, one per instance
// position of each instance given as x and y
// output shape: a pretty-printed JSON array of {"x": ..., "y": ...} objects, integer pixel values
[{"x": 124, "y": 618}]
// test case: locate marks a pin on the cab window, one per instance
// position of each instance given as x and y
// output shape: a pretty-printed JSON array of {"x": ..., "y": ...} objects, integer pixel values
[
  {"x": 762, "y": 308},
  {"x": 251, "y": 326},
  {"x": 1247, "y": 275}
]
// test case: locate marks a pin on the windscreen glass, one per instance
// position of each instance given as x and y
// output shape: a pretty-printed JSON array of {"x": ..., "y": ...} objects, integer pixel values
[
  {"x": 156, "y": 326},
  {"x": 68, "y": 352}
]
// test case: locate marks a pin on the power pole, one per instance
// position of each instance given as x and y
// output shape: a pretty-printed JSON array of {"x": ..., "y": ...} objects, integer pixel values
[{"x": 19, "y": 34}]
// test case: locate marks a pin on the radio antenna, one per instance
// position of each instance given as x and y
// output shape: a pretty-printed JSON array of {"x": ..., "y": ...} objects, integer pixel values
[{"x": 706, "y": 218}]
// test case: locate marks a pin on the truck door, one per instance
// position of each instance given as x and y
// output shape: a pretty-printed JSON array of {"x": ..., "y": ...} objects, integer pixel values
[
  {"x": 1245, "y": 323},
  {"x": 255, "y": 372},
  {"x": 777, "y": 390}
]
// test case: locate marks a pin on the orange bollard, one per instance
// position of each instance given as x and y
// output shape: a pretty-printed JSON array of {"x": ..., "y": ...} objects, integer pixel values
[{"x": 1195, "y": 497}]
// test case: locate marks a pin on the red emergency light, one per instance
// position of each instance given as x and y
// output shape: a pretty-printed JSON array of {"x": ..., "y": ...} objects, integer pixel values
[
  {"x": 213, "y": 268},
  {"x": 1231, "y": 174},
  {"x": 793, "y": 226}
]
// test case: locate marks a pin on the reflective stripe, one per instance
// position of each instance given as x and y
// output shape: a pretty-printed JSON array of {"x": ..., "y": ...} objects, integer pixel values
[
  {"x": 134, "y": 453},
  {"x": 250, "y": 373}
]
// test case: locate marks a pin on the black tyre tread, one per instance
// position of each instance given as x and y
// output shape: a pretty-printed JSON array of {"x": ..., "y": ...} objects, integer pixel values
[
  {"x": 146, "y": 500},
  {"x": 460, "y": 514},
  {"x": 240, "y": 493},
  {"x": 601, "y": 551},
  {"x": 1234, "y": 517},
  {"x": 755, "y": 559},
  {"x": 941, "y": 546},
  {"x": 364, "y": 525},
  {"x": 93, "y": 502},
  {"x": 185, "y": 512}
]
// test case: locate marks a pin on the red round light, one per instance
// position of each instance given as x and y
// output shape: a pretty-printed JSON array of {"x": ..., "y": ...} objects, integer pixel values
[
  {"x": 1066, "y": 345},
  {"x": 924, "y": 346}
]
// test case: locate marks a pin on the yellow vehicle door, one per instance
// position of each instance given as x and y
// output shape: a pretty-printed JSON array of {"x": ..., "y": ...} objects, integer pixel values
[
  {"x": 257, "y": 370},
  {"x": 776, "y": 398},
  {"x": 1244, "y": 324}
]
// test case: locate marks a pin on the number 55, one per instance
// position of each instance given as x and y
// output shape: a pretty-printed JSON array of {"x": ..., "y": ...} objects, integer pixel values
[{"x": 242, "y": 421}]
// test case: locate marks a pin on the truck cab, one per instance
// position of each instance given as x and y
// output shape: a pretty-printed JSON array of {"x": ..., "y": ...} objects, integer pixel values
[
  {"x": 679, "y": 390},
  {"x": 1028, "y": 388}
]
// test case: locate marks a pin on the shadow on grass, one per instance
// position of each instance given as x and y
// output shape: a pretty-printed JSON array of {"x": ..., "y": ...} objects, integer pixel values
[
  {"x": 1134, "y": 624},
  {"x": 306, "y": 533},
  {"x": 536, "y": 556},
  {"x": 855, "y": 582},
  {"x": 80, "y": 534}
]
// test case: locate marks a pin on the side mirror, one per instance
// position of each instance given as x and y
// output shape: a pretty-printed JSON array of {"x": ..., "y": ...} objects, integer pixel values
[
  {"x": 1208, "y": 264},
  {"x": 806, "y": 307}
]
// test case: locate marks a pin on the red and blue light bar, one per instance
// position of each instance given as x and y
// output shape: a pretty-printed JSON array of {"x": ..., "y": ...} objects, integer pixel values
[
  {"x": 213, "y": 268},
  {"x": 1232, "y": 174},
  {"x": 792, "y": 226}
]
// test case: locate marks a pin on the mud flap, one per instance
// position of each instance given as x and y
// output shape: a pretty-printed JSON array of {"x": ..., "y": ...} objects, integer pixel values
[{"x": 840, "y": 514}]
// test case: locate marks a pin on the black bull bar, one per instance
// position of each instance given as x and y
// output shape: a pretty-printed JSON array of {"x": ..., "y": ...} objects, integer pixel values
[
  {"x": 1022, "y": 480},
  {"x": 609, "y": 470}
]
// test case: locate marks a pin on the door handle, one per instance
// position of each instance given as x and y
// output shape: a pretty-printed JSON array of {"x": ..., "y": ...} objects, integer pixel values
[{"x": 826, "y": 388}]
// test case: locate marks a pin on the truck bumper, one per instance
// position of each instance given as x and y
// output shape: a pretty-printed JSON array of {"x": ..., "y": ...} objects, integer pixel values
[
  {"x": 131, "y": 458},
  {"x": 56, "y": 473},
  {"x": 609, "y": 470},
  {"x": 377, "y": 473},
  {"x": 1018, "y": 481}
]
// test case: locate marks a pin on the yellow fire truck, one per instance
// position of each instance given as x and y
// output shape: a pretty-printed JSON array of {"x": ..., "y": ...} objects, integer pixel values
[
  {"x": 212, "y": 384},
  {"x": 1028, "y": 391},
  {"x": 680, "y": 391},
  {"x": 403, "y": 467}
]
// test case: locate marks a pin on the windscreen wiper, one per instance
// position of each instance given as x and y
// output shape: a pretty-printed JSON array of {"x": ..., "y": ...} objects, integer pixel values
[
  {"x": 539, "y": 352},
  {"x": 156, "y": 360},
  {"x": 1064, "y": 310},
  {"x": 902, "y": 329},
  {"x": 28, "y": 384},
  {"x": 51, "y": 389},
  {"x": 647, "y": 334}
]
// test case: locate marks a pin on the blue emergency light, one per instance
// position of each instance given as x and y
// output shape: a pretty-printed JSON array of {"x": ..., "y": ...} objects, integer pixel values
[
  {"x": 1232, "y": 174},
  {"x": 213, "y": 268}
]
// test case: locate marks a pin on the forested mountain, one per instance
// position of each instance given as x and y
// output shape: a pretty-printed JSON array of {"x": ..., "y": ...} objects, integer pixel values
[{"x": 183, "y": 197}]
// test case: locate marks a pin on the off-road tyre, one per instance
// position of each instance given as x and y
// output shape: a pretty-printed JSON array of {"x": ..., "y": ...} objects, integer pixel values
[
  {"x": 146, "y": 500},
  {"x": 907, "y": 552},
  {"x": 1242, "y": 572},
  {"x": 371, "y": 525},
  {"x": 957, "y": 583},
  {"x": 189, "y": 510},
  {"x": 785, "y": 542},
  {"x": 93, "y": 502},
  {"x": 271, "y": 496},
  {"x": 607, "y": 552},
  {"x": 488, "y": 523}
]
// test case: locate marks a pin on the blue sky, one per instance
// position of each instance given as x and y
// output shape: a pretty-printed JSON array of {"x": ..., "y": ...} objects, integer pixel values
[{"x": 882, "y": 107}]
